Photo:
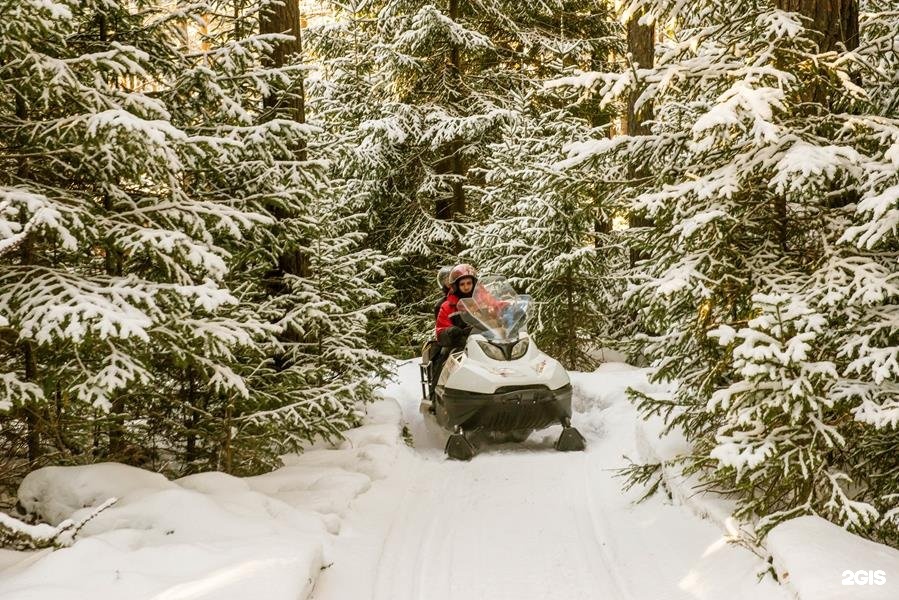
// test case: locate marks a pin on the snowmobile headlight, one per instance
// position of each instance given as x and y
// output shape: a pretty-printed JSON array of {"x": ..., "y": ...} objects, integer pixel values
[
  {"x": 492, "y": 351},
  {"x": 519, "y": 349}
]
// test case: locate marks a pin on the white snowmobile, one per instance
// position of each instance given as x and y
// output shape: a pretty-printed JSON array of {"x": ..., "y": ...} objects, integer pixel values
[{"x": 500, "y": 382}]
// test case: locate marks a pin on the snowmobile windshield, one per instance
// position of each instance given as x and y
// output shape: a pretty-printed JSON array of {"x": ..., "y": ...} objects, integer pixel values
[{"x": 496, "y": 309}]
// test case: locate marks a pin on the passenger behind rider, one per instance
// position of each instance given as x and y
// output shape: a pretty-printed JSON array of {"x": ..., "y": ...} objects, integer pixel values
[{"x": 443, "y": 282}]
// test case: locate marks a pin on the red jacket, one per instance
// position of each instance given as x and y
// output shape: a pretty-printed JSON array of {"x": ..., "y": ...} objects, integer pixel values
[{"x": 447, "y": 311}]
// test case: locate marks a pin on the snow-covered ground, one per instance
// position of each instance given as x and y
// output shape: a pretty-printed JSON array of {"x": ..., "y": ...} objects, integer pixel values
[
  {"x": 524, "y": 521},
  {"x": 378, "y": 520},
  {"x": 205, "y": 536}
]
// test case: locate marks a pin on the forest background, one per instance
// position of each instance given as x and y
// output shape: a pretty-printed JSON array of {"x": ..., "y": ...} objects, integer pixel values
[{"x": 221, "y": 221}]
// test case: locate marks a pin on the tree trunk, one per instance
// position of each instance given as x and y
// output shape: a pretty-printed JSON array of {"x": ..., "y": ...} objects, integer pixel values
[
  {"x": 641, "y": 47},
  {"x": 285, "y": 18},
  {"x": 571, "y": 317},
  {"x": 116, "y": 430},
  {"x": 227, "y": 459},
  {"x": 600, "y": 118},
  {"x": 30, "y": 411},
  {"x": 192, "y": 420},
  {"x": 451, "y": 161},
  {"x": 112, "y": 263},
  {"x": 835, "y": 20}
]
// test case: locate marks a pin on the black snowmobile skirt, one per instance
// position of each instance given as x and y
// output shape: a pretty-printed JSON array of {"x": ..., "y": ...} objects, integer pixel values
[{"x": 510, "y": 408}]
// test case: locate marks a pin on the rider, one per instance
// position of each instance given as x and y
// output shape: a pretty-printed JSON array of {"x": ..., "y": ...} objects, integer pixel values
[{"x": 451, "y": 330}]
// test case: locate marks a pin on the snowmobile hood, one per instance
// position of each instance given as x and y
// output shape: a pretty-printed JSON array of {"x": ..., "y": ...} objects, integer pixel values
[{"x": 474, "y": 371}]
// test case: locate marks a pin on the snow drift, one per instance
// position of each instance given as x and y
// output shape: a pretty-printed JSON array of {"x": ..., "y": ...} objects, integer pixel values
[{"x": 208, "y": 535}]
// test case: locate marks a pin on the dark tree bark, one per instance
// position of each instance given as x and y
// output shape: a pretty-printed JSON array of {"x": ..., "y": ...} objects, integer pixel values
[
  {"x": 835, "y": 20},
  {"x": 641, "y": 46},
  {"x": 296, "y": 258},
  {"x": 30, "y": 411},
  {"x": 191, "y": 420},
  {"x": 113, "y": 266},
  {"x": 600, "y": 118},
  {"x": 285, "y": 18},
  {"x": 836, "y": 23},
  {"x": 451, "y": 163}
]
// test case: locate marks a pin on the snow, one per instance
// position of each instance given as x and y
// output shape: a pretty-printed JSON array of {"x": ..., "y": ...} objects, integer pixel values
[
  {"x": 740, "y": 103},
  {"x": 780, "y": 24},
  {"x": 429, "y": 22},
  {"x": 524, "y": 521},
  {"x": 13, "y": 387},
  {"x": 41, "y": 530},
  {"x": 579, "y": 152},
  {"x": 811, "y": 556},
  {"x": 586, "y": 80},
  {"x": 208, "y": 535},
  {"x": 375, "y": 518},
  {"x": 56, "y": 493},
  {"x": 884, "y": 219},
  {"x": 43, "y": 213},
  {"x": 57, "y": 10},
  {"x": 804, "y": 164}
]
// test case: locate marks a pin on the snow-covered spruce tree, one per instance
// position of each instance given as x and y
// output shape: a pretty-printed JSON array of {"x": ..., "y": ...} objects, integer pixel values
[
  {"x": 421, "y": 89},
  {"x": 362, "y": 144},
  {"x": 868, "y": 344},
  {"x": 545, "y": 230},
  {"x": 769, "y": 285},
  {"x": 113, "y": 257},
  {"x": 306, "y": 274},
  {"x": 543, "y": 226},
  {"x": 438, "y": 106}
]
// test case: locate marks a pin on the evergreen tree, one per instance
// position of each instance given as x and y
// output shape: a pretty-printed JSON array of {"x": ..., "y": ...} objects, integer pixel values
[
  {"x": 544, "y": 227},
  {"x": 364, "y": 144},
  {"x": 114, "y": 264},
  {"x": 543, "y": 230},
  {"x": 306, "y": 274},
  {"x": 420, "y": 90},
  {"x": 180, "y": 285},
  {"x": 768, "y": 282}
]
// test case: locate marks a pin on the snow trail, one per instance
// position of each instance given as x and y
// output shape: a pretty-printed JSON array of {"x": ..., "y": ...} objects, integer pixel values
[{"x": 522, "y": 521}]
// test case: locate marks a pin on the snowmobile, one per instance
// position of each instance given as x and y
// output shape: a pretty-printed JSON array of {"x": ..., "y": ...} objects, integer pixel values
[{"x": 500, "y": 383}]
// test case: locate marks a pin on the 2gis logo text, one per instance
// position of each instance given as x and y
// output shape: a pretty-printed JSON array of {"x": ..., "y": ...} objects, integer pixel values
[{"x": 868, "y": 577}]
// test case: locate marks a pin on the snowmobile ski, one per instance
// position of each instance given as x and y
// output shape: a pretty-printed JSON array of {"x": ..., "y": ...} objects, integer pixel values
[
  {"x": 459, "y": 448},
  {"x": 571, "y": 440}
]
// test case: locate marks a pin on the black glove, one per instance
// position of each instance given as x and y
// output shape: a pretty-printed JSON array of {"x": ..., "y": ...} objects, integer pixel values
[
  {"x": 451, "y": 337},
  {"x": 445, "y": 337}
]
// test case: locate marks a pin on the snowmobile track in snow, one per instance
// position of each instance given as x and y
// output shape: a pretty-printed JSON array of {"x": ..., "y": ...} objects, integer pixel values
[
  {"x": 525, "y": 522},
  {"x": 502, "y": 526}
]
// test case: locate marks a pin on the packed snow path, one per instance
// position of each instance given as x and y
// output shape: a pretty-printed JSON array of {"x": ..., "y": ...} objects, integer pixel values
[{"x": 526, "y": 522}]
